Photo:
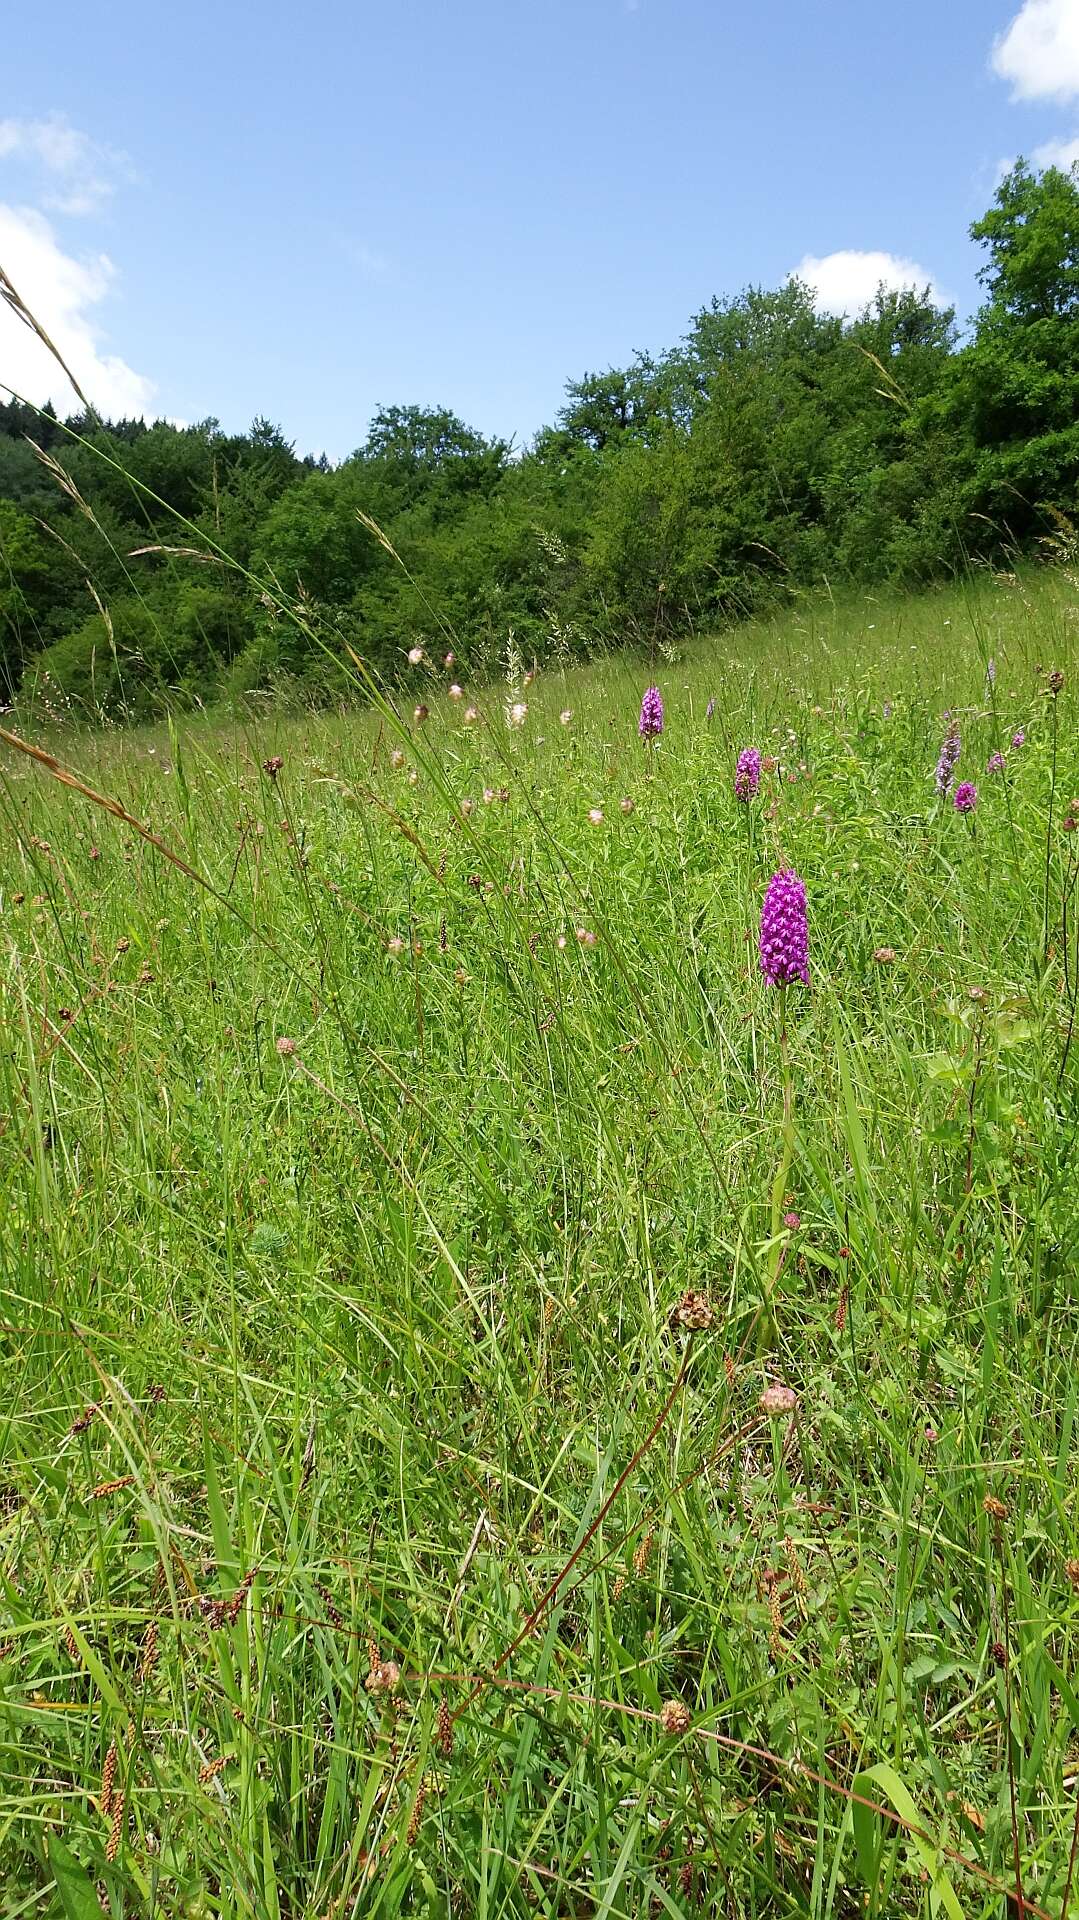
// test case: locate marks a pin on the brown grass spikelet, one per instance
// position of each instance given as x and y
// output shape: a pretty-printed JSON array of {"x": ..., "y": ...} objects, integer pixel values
[
  {"x": 72, "y": 1645},
  {"x": 619, "y": 1588},
  {"x": 112, "y": 1845},
  {"x": 1071, "y": 1570},
  {"x": 105, "y": 1487},
  {"x": 417, "y": 1814},
  {"x": 108, "y": 1775},
  {"x": 333, "y": 1612},
  {"x": 775, "y": 1611},
  {"x": 728, "y": 1368},
  {"x": 148, "y": 1658},
  {"x": 212, "y": 1768},
  {"x": 548, "y": 1311},
  {"x": 85, "y": 1418},
  {"x": 795, "y": 1570},
  {"x": 841, "y": 1309},
  {"x": 445, "y": 1727},
  {"x": 644, "y": 1553},
  {"x": 233, "y": 1606},
  {"x": 994, "y": 1508}
]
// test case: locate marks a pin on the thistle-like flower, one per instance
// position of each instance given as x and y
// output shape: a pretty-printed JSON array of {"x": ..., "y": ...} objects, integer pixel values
[
  {"x": 650, "y": 725},
  {"x": 966, "y": 797},
  {"x": 784, "y": 936},
  {"x": 747, "y": 775}
]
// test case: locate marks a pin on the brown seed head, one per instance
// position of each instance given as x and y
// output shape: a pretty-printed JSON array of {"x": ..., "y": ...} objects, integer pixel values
[
  {"x": 994, "y": 1508},
  {"x": 693, "y": 1312},
  {"x": 285, "y": 1047},
  {"x": 675, "y": 1717},
  {"x": 1071, "y": 1568},
  {"x": 273, "y": 765},
  {"x": 112, "y": 1847},
  {"x": 884, "y": 955},
  {"x": 777, "y": 1400},
  {"x": 445, "y": 1727},
  {"x": 108, "y": 1775}
]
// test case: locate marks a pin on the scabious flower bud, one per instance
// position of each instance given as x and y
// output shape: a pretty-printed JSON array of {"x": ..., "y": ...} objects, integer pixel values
[
  {"x": 747, "y": 776},
  {"x": 650, "y": 725},
  {"x": 949, "y": 754},
  {"x": 966, "y": 797},
  {"x": 995, "y": 763},
  {"x": 784, "y": 936}
]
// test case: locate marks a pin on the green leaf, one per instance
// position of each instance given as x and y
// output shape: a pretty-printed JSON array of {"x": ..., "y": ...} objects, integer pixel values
[
  {"x": 73, "y": 1883},
  {"x": 886, "y": 1781}
]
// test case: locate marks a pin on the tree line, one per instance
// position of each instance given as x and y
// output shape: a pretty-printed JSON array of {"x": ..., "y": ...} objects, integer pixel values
[{"x": 775, "y": 447}]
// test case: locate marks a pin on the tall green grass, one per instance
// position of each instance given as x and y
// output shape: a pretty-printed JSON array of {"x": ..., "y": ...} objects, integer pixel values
[{"x": 320, "y": 1364}]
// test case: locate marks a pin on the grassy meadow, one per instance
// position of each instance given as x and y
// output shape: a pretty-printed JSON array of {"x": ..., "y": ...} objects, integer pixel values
[{"x": 377, "y": 1536}]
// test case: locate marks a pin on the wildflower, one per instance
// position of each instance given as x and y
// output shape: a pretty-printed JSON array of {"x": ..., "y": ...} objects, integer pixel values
[
  {"x": 784, "y": 934},
  {"x": 517, "y": 714},
  {"x": 1019, "y": 738},
  {"x": 884, "y": 955},
  {"x": 415, "y": 656},
  {"x": 777, "y": 1400},
  {"x": 273, "y": 765},
  {"x": 747, "y": 777},
  {"x": 456, "y": 692},
  {"x": 413, "y": 777},
  {"x": 1055, "y": 683},
  {"x": 627, "y": 805},
  {"x": 994, "y": 1508},
  {"x": 710, "y": 708},
  {"x": 990, "y": 675},
  {"x": 792, "y": 1222},
  {"x": 529, "y": 677},
  {"x": 768, "y": 764},
  {"x": 566, "y": 716},
  {"x": 595, "y": 815},
  {"x": 693, "y": 1312},
  {"x": 586, "y": 937},
  {"x": 397, "y": 759},
  {"x": 650, "y": 724},
  {"x": 384, "y": 1677},
  {"x": 395, "y": 945},
  {"x": 949, "y": 754},
  {"x": 420, "y": 714},
  {"x": 966, "y": 797},
  {"x": 285, "y": 1047},
  {"x": 674, "y": 1717},
  {"x": 995, "y": 763},
  {"x": 488, "y": 795},
  {"x": 449, "y": 660},
  {"x": 95, "y": 853},
  {"x": 472, "y": 714}
]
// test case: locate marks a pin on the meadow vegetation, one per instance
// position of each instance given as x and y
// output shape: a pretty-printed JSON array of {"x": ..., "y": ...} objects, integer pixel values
[{"x": 504, "y": 1409}]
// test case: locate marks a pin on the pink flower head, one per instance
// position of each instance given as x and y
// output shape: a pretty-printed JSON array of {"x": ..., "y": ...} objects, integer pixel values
[
  {"x": 747, "y": 774},
  {"x": 995, "y": 763},
  {"x": 966, "y": 797},
  {"x": 1019, "y": 738},
  {"x": 650, "y": 725},
  {"x": 784, "y": 936}
]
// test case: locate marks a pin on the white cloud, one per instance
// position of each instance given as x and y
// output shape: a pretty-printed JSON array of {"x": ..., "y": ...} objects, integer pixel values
[
  {"x": 846, "y": 282},
  {"x": 79, "y": 173},
  {"x": 1039, "y": 51},
  {"x": 62, "y": 292},
  {"x": 1057, "y": 153}
]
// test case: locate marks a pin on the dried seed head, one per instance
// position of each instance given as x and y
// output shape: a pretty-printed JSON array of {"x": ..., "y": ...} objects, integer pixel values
[
  {"x": 148, "y": 1660},
  {"x": 212, "y": 1768},
  {"x": 777, "y": 1400},
  {"x": 884, "y": 955},
  {"x": 417, "y": 1815},
  {"x": 85, "y": 1418},
  {"x": 285, "y": 1047},
  {"x": 273, "y": 765},
  {"x": 644, "y": 1553},
  {"x": 445, "y": 1727},
  {"x": 994, "y": 1508},
  {"x": 693, "y": 1312},
  {"x": 675, "y": 1717},
  {"x": 1071, "y": 1569},
  {"x": 112, "y": 1847},
  {"x": 841, "y": 1309},
  {"x": 385, "y": 1677},
  {"x": 618, "y": 1589},
  {"x": 108, "y": 1775}
]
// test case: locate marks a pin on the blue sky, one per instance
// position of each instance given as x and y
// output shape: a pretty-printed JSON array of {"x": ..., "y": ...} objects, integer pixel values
[{"x": 234, "y": 210}]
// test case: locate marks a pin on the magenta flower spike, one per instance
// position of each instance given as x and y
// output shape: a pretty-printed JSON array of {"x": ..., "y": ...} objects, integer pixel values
[
  {"x": 747, "y": 774},
  {"x": 650, "y": 725},
  {"x": 784, "y": 938},
  {"x": 966, "y": 797}
]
